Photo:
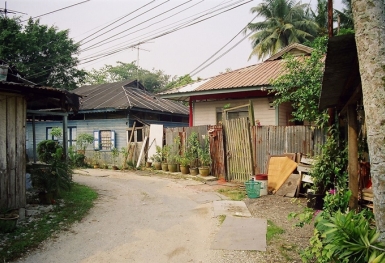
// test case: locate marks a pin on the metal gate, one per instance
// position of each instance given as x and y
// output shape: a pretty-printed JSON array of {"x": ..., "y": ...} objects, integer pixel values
[{"x": 238, "y": 149}]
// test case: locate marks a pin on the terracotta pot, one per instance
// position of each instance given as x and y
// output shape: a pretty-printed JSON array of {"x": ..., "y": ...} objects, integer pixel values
[
  {"x": 96, "y": 166},
  {"x": 164, "y": 167},
  {"x": 158, "y": 166},
  {"x": 204, "y": 171},
  {"x": 185, "y": 169},
  {"x": 148, "y": 164},
  {"x": 194, "y": 171},
  {"x": 172, "y": 167},
  {"x": 114, "y": 167}
]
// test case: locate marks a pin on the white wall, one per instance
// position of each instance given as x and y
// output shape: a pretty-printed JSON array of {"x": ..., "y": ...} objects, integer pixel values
[{"x": 204, "y": 113}]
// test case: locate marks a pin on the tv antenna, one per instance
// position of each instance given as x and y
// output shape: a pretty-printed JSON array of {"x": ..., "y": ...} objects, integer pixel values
[
  {"x": 137, "y": 47},
  {"x": 6, "y": 11}
]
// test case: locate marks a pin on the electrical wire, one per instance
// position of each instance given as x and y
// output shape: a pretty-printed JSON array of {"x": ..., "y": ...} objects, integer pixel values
[
  {"x": 178, "y": 26},
  {"x": 116, "y": 21},
  {"x": 55, "y": 11}
]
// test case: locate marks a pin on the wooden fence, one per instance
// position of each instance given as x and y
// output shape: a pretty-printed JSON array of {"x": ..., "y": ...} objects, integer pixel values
[{"x": 239, "y": 151}]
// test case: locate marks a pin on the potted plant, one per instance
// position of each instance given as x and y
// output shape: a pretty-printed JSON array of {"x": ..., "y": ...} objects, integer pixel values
[
  {"x": 52, "y": 179},
  {"x": 173, "y": 155},
  {"x": 204, "y": 158},
  {"x": 96, "y": 159},
  {"x": 8, "y": 220},
  {"x": 82, "y": 141},
  {"x": 115, "y": 155},
  {"x": 157, "y": 158},
  {"x": 184, "y": 162},
  {"x": 165, "y": 153},
  {"x": 329, "y": 169},
  {"x": 192, "y": 148}
]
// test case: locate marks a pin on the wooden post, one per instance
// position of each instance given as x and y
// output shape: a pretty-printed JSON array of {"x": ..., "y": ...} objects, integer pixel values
[
  {"x": 65, "y": 136},
  {"x": 129, "y": 145},
  {"x": 353, "y": 156}
]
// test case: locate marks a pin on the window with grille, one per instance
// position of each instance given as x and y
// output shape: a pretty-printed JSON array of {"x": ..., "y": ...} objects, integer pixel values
[{"x": 104, "y": 140}]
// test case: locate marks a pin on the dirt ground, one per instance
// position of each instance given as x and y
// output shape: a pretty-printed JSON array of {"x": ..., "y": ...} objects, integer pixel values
[{"x": 174, "y": 224}]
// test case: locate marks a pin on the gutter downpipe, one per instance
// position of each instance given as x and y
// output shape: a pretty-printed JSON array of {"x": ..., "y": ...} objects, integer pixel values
[{"x": 190, "y": 124}]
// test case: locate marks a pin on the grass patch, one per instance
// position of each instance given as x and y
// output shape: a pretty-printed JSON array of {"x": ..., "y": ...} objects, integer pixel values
[
  {"x": 233, "y": 194},
  {"x": 285, "y": 251},
  {"x": 221, "y": 218},
  {"x": 73, "y": 206},
  {"x": 273, "y": 230}
]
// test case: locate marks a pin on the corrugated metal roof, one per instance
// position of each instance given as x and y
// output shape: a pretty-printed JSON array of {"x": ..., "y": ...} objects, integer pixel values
[
  {"x": 125, "y": 95},
  {"x": 293, "y": 48},
  {"x": 341, "y": 73}
]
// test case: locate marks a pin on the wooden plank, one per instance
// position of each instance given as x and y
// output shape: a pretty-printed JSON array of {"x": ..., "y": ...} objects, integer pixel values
[
  {"x": 11, "y": 152},
  {"x": 3, "y": 150},
  {"x": 353, "y": 156},
  {"x": 280, "y": 168},
  {"x": 289, "y": 188},
  {"x": 142, "y": 151},
  {"x": 20, "y": 152},
  {"x": 304, "y": 168}
]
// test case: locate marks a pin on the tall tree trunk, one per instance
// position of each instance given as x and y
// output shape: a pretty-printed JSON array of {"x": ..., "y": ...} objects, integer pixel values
[{"x": 369, "y": 25}]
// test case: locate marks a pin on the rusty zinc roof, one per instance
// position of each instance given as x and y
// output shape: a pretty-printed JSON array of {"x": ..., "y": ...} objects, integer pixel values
[
  {"x": 125, "y": 95},
  {"x": 257, "y": 76}
]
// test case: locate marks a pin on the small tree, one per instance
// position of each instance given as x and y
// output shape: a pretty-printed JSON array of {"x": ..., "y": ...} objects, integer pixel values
[{"x": 83, "y": 140}]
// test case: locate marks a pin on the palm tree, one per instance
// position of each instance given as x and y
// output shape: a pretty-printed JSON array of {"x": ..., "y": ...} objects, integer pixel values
[
  {"x": 286, "y": 22},
  {"x": 346, "y": 16}
]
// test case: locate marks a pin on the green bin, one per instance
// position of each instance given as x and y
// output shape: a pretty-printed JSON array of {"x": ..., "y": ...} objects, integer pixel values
[{"x": 253, "y": 188}]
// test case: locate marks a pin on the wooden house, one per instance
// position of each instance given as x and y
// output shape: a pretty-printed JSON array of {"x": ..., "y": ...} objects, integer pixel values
[
  {"x": 109, "y": 111},
  {"x": 209, "y": 97},
  {"x": 16, "y": 101}
]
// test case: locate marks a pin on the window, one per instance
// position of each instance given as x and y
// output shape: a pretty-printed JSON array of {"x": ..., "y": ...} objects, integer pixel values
[
  {"x": 138, "y": 134},
  {"x": 104, "y": 140},
  {"x": 71, "y": 135}
]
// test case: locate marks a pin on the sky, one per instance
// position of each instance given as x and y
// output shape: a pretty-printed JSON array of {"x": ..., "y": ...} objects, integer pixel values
[{"x": 177, "y": 53}]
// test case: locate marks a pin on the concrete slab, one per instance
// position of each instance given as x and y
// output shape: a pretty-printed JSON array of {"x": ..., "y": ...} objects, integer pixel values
[
  {"x": 231, "y": 208},
  {"x": 205, "y": 197},
  {"x": 238, "y": 233}
]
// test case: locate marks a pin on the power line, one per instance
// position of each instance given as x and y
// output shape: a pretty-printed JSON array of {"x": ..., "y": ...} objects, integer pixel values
[
  {"x": 116, "y": 21},
  {"x": 55, "y": 11},
  {"x": 96, "y": 46},
  {"x": 128, "y": 21},
  {"x": 166, "y": 33},
  {"x": 178, "y": 26}
]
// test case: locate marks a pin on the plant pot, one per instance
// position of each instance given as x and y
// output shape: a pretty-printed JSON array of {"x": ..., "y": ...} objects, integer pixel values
[
  {"x": 164, "y": 167},
  {"x": 315, "y": 201},
  {"x": 172, "y": 167},
  {"x": 96, "y": 166},
  {"x": 8, "y": 223},
  {"x": 204, "y": 171},
  {"x": 148, "y": 164},
  {"x": 105, "y": 166},
  {"x": 185, "y": 169},
  {"x": 114, "y": 167},
  {"x": 194, "y": 171},
  {"x": 158, "y": 165}
]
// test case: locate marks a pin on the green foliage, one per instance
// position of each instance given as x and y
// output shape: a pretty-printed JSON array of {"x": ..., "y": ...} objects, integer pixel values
[
  {"x": 83, "y": 140},
  {"x": 330, "y": 167},
  {"x": 301, "y": 86},
  {"x": 344, "y": 238},
  {"x": 192, "y": 147},
  {"x": 304, "y": 217},
  {"x": 204, "y": 153},
  {"x": 76, "y": 159},
  {"x": 233, "y": 194},
  {"x": 115, "y": 154},
  {"x": 55, "y": 177},
  {"x": 96, "y": 158},
  {"x": 45, "y": 55},
  {"x": 158, "y": 156},
  {"x": 154, "y": 80},
  {"x": 180, "y": 81},
  {"x": 336, "y": 200},
  {"x": 74, "y": 206},
  {"x": 285, "y": 22},
  {"x": 57, "y": 132},
  {"x": 273, "y": 230},
  {"x": 46, "y": 149}
]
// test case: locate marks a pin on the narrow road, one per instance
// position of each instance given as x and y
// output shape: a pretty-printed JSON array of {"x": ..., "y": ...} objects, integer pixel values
[{"x": 138, "y": 219}]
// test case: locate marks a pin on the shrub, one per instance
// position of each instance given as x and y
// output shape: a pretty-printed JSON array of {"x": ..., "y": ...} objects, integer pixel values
[{"x": 46, "y": 149}]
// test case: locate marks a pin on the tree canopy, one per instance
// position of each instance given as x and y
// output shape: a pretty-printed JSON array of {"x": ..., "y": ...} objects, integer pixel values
[
  {"x": 43, "y": 54},
  {"x": 154, "y": 80},
  {"x": 286, "y": 22}
]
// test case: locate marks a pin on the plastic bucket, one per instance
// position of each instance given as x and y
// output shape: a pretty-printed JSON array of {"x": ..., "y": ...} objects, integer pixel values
[
  {"x": 253, "y": 189},
  {"x": 262, "y": 178}
]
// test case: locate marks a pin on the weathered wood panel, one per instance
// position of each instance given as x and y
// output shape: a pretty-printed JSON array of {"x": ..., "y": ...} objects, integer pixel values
[
  {"x": 11, "y": 151},
  {"x": 21, "y": 109},
  {"x": 217, "y": 151},
  {"x": 3, "y": 150},
  {"x": 238, "y": 149}
]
